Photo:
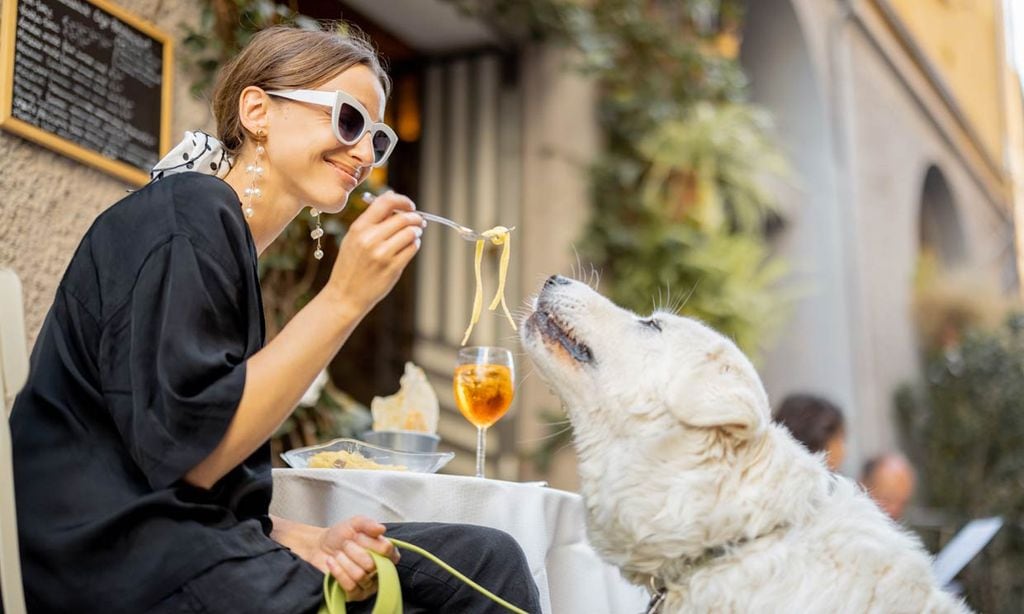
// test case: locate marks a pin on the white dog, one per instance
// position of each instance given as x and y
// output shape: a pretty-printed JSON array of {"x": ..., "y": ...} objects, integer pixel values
[{"x": 688, "y": 485}]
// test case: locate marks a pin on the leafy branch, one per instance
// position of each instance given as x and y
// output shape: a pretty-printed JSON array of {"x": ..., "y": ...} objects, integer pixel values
[{"x": 678, "y": 197}]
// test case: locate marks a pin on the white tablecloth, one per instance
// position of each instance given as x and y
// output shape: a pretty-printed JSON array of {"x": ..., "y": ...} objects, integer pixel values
[{"x": 548, "y": 523}]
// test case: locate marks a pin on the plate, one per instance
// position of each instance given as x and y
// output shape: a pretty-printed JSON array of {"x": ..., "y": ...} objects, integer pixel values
[{"x": 416, "y": 462}]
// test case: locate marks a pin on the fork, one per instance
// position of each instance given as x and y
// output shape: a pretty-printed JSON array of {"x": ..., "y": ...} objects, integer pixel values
[{"x": 464, "y": 231}]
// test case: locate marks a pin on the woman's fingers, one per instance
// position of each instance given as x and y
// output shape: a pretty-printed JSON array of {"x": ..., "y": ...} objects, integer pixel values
[
  {"x": 358, "y": 555},
  {"x": 367, "y": 526},
  {"x": 344, "y": 580},
  {"x": 357, "y": 582},
  {"x": 380, "y": 545},
  {"x": 397, "y": 242},
  {"x": 370, "y": 535},
  {"x": 384, "y": 206},
  {"x": 385, "y": 229}
]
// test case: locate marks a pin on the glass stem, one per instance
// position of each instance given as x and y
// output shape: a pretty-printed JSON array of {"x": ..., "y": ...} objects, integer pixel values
[{"x": 481, "y": 452}]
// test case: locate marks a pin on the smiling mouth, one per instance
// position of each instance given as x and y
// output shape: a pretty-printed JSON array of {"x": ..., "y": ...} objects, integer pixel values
[
  {"x": 354, "y": 175},
  {"x": 552, "y": 330}
]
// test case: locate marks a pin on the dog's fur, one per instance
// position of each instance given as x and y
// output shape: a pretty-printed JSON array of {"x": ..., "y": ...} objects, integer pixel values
[{"x": 688, "y": 484}]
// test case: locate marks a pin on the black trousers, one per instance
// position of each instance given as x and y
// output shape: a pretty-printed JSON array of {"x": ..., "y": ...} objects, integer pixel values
[
  {"x": 490, "y": 557},
  {"x": 278, "y": 582}
]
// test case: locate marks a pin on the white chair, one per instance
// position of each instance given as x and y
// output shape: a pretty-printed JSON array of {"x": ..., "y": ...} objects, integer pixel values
[{"x": 13, "y": 371}]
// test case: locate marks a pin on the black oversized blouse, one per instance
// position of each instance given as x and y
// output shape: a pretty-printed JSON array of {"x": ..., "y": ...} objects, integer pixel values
[{"x": 136, "y": 373}]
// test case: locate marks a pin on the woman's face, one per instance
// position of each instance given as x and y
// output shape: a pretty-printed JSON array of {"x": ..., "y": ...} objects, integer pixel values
[{"x": 303, "y": 155}]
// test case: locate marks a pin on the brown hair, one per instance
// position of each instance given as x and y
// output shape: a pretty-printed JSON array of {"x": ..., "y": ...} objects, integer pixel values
[
  {"x": 283, "y": 57},
  {"x": 812, "y": 420}
]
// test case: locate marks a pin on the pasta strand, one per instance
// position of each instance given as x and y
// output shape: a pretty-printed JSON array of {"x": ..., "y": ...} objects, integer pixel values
[{"x": 478, "y": 297}]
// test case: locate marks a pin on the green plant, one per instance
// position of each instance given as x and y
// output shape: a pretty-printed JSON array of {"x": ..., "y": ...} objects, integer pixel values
[
  {"x": 693, "y": 221},
  {"x": 225, "y": 26},
  {"x": 678, "y": 203},
  {"x": 964, "y": 426}
]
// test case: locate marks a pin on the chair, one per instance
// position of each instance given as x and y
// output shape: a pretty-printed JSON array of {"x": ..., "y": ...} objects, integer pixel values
[{"x": 13, "y": 371}]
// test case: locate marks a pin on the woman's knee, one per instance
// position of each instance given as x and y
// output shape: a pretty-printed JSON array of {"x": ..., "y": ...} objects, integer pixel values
[{"x": 492, "y": 542}]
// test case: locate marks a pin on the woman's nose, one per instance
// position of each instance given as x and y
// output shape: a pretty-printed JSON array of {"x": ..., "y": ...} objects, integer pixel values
[{"x": 362, "y": 150}]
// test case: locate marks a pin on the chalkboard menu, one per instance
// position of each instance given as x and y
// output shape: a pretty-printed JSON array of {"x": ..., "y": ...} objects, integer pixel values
[{"x": 88, "y": 79}]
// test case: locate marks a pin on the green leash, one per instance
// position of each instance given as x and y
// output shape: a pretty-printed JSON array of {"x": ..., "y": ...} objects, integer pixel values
[{"x": 389, "y": 591}]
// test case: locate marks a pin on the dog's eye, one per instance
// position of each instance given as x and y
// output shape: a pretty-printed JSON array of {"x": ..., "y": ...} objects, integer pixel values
[{"x": 652, "y": 323}]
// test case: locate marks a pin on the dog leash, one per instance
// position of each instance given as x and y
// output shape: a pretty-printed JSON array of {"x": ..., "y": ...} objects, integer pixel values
[{"x": 389, "y": 590}]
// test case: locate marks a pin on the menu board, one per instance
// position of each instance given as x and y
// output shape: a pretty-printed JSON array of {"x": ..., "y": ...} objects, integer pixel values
[{"x": 88, "y": 79}]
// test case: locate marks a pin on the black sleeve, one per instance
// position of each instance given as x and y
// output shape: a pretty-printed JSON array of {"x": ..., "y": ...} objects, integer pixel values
[{"x": 187, "y": 352}]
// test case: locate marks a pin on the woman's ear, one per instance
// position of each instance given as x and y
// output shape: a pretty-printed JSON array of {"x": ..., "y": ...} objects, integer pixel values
[{"x": 254, "y": 109}]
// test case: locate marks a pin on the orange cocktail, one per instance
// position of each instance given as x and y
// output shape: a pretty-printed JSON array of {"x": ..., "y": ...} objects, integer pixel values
[
  {"x": 483, "y": 393},
  {"x": 483, "y": 385}
]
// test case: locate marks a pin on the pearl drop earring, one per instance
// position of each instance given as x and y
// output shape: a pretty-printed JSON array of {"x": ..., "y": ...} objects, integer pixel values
[
  {"x": 317, "y": 233},
  {"x": 255, "y": 171}
]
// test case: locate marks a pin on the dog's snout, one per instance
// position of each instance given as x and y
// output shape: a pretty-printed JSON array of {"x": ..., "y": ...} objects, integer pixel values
[{"x": 556, "y": 280}]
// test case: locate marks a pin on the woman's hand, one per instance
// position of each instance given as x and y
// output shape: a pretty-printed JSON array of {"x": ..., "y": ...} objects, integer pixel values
[
  {"x": 375, "y": 251},
  {"x": 343, "y": 551}
]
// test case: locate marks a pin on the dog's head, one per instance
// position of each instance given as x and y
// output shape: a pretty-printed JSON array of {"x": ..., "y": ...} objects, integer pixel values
[{"x": 631, "y": 375}]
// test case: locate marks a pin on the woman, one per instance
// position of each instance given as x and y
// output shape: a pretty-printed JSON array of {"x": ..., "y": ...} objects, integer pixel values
[{"x": 142, "y": 468}]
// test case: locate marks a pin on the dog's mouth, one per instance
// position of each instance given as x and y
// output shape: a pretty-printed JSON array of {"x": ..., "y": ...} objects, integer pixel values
[{"x": 554, "y": 331}]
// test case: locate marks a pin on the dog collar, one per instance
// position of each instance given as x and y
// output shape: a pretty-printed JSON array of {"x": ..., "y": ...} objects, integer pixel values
[
  {"x": 659, "y": 590},
  {"x": 715, "y": 552}
]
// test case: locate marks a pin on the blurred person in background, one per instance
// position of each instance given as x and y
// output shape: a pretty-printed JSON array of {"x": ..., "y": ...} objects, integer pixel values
[
  {"x": 889, "y": 480},
  {"x": 817, "y": 423}
]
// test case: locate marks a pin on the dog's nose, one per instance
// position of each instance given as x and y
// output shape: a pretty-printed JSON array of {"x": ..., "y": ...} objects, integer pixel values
[{"x": 556, "y": 280}]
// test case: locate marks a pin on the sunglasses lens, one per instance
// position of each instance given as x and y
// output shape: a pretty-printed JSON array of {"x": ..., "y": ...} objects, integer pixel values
[
  {"x": 381, "y": 144},
  {"x": 350, "y": 123}
]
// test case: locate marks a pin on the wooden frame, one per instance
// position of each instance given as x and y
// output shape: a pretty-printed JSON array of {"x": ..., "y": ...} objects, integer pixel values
[{"x": 122, "y": 170}]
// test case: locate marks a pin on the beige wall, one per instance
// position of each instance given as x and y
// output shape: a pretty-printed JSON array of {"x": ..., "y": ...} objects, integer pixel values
[
  {"x": 963, "y": 39},
  {"x": 48, "y": 201},
  {"x": 556, "y": 207}
]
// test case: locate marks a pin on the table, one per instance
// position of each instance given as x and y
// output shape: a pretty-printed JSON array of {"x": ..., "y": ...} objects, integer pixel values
[{"x": 547, "y": 523}]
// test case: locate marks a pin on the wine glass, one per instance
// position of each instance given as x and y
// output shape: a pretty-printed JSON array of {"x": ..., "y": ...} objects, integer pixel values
[{"x": 483, "y": 390}]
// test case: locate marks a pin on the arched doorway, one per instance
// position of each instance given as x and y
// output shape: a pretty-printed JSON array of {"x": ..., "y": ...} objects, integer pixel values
[
  {"x": 947, "y": 298},
  {"x": 940, "y": 233}
]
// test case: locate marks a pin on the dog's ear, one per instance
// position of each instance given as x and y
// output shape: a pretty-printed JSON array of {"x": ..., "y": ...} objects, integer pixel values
[{"x": 721, "y": 396}]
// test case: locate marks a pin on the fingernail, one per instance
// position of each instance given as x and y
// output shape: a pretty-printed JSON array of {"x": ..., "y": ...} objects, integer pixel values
[
  {"x": 418, "y": 231},
  {"x": 417, "y": 243}
]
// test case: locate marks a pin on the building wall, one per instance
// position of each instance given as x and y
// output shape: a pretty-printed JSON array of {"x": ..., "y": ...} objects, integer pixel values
[
  {"x": 815, "y": 342},
  {"x": 963, "y": 40},
  {"x": 887, "y": 125},
  {"x": 556, "y": 207},
  {"x": 48, "y": 201}
]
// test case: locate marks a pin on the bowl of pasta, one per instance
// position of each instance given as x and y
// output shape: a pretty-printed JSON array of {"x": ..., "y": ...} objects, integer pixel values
[{"x": 352, "y": 454}]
